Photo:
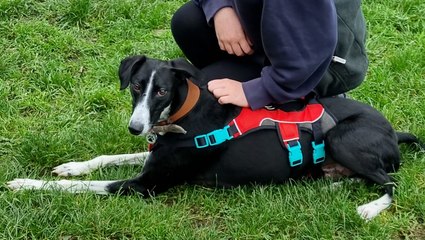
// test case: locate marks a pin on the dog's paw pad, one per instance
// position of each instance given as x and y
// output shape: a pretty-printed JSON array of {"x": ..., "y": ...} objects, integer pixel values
[
  {"x": 24, "y": 183},
  {"x": 72, "y": 169}
]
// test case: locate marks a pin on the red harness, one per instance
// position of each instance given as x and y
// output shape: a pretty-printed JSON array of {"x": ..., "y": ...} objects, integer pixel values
[
  {"x": 287, "y": 121},
  {"x": 287, "y": 124}
]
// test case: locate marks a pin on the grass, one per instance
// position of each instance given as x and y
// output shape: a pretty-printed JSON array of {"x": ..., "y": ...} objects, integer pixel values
[{"x": 59, "y": 101}]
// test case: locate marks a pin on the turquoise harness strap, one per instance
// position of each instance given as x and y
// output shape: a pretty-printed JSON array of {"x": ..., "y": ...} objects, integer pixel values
[{"x": 318, "y": 144}]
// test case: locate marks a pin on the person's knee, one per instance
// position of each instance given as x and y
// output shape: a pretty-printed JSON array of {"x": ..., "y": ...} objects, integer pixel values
[{"x": 188, "y": 19}]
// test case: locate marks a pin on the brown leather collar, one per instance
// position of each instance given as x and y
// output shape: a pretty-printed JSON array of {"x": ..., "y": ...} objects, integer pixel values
[{"x": 189, "y": 103}]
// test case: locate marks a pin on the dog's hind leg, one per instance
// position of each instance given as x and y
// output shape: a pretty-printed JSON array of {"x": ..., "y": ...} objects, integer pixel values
[
  {"x": 372, "y": 209},
  {"x": 81, "y": 168},
  {"x": 369, "y": 152}
]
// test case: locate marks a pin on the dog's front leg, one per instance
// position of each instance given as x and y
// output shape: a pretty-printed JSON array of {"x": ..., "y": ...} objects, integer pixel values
[
  {"x": 72, "y": 186},
  {"x": 81, "y": 168},
  {"x": 154, "y": 179}
]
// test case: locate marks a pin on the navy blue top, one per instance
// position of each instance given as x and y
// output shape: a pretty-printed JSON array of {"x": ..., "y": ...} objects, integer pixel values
[{"x": 299, "y": 39}]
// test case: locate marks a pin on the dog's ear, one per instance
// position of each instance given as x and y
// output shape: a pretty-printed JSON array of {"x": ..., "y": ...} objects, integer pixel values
[
  {"x": 183, "y": 67},
  {"x": 127, "y": 67}
]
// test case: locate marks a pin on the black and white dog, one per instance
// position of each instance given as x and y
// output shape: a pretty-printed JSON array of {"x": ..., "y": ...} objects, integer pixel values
[{"x": 361, "y": 144}]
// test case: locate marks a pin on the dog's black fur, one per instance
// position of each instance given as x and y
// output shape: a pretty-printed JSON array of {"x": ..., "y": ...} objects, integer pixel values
[{"x": 362, "y": 141}]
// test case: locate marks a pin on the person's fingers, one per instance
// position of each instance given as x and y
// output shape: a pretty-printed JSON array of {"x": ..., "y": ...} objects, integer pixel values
[
  {"x": 217, "y": 88},
  {"x": 249, "y": 41},
  {"x": 234, "y": 46},
  {"x": 217, "y": 83},
  {"x": 221, "y": 45},
  {"x": 228, "y": 91},
  {"x": 237, "y": 50},
  {"x": 229, "y": 48},
  {"x": 213, "y": 84},
  {"x": 224, "y": 100},
  {"x": 246, "y": 47},
  {"x": 220, "y": 92}
]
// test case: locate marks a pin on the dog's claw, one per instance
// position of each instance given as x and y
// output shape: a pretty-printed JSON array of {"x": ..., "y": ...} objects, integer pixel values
[{"x": 72, "y": 169}]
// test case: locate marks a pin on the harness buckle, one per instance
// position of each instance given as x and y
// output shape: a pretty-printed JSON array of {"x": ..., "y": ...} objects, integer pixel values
[
  {"x": 295, "y": 154},
  {"x": 218, "y": 136},
  {"x": 213, "y": 138},
  {"x": 318, "y": 152}
]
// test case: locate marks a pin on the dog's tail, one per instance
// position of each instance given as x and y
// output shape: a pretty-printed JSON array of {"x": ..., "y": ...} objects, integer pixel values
[{"x": 410, "y": 139}]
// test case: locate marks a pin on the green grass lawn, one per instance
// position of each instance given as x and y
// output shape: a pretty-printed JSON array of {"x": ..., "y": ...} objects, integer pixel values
[{"x": 60, "y": 101}]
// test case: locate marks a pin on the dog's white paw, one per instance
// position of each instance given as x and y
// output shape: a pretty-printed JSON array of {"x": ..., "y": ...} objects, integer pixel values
[
  {"x": 72, "y": 169},
  {"x": 25, "y": 183},
  {"x": 370, "y": 210}
]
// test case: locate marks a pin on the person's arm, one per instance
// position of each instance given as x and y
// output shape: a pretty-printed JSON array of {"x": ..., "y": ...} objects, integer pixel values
[
  {"x": 210, "y": 7},
  {"x": 299, "y": 38}
]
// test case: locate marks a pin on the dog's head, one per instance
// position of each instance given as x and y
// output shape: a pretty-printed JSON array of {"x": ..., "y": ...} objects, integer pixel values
[{"x": 153, "y": 85}]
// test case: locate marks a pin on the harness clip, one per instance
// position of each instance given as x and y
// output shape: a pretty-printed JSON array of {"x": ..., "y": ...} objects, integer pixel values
[
  {"x": 318, "y": 152},
  {"x": 218, "y": 136},
  {"x": 295, "y": 154},
  {"x": 213, "y": 138}
]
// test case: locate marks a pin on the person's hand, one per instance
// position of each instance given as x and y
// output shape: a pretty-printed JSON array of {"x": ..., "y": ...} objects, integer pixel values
[
  {"x": 231, "y": 37},
  {"x": 228, "y": 91}
]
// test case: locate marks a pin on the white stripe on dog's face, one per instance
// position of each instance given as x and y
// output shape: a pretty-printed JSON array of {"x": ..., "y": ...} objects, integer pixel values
[{"x": 140, "y": 119}]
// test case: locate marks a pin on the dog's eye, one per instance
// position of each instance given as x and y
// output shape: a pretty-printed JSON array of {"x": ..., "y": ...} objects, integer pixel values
[
  {"x": 161, "y": 92},
  {"x": 137, "y": 87}
]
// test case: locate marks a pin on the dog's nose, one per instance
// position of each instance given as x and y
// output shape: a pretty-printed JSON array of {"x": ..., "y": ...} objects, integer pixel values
[{"x": 134, "y": 131}]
